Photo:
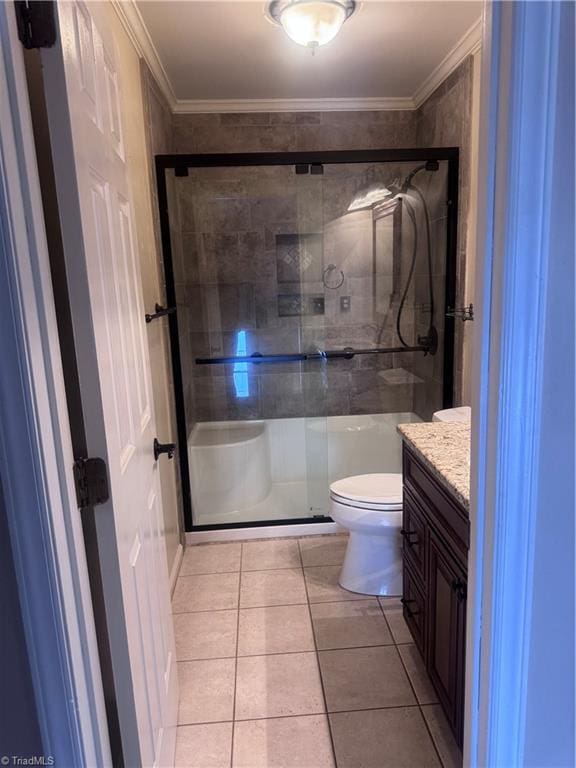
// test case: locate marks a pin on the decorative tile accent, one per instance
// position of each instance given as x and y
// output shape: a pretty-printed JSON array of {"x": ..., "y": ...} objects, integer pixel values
[{"x": 299, "y": 258}]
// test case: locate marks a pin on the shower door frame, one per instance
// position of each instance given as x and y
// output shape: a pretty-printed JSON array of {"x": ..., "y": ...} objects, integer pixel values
[{"x": 180, "y": 163}]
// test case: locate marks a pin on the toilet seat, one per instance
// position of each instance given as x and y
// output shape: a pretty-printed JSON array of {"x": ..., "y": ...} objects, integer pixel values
[{"x": 378, "y": 492}]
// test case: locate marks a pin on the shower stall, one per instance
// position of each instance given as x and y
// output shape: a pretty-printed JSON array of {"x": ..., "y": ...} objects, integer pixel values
[{"x": 311, "y": 295}]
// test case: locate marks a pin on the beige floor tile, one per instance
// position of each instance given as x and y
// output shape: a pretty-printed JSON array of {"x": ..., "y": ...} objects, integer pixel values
[
  {"x": 206, "y": 592},
  {"x": 282, "y": 587},
  {"x": 442, "y": 736},
  {"x": 323, "y": 587},
  {"x": 206, "y": 691},
  {"x": 349, "y": 624},
  {"x": 276, "y": 686},
  {"x": 263, "y": 555},
  {"x": 323, "y": 550},
  {"x": 285, "y": 742},
  {"x": 211, "y": 558},
  {"x": 205, "y": 635},
  {"x": 203, "y": 746},
  {"x": 276, "y": 629},
  {"x": 361, "y": 678},
  {"x": 383, "y": 738},
  {"x": 412, "y": 659},
  {"x": 394, "y": 616}
]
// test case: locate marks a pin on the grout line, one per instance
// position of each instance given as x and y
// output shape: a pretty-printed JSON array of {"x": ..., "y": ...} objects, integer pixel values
[
  {"x": 318, "y": 661},
  {"x": 236, "y": 660}
]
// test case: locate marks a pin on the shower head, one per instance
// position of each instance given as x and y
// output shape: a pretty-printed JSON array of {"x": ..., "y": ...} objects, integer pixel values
[{"x": 370, "y": 196}]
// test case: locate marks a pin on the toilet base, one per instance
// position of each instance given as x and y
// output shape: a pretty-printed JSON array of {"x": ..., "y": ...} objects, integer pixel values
[{"x": 373, "y": 564}]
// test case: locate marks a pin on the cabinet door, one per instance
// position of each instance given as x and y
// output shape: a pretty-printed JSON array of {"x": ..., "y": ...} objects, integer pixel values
[{"x": 446, "y": 632}]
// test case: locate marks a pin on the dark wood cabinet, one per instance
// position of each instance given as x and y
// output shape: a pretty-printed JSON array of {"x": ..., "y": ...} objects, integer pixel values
[{"x": 436, "y": 533}]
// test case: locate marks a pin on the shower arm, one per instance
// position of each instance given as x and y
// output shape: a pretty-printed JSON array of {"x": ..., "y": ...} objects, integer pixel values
[{"x": 347, "y": 353}]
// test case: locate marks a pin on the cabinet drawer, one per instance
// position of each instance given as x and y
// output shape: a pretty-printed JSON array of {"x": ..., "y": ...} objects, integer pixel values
[
  {"x": 414, "y": 536},
  {"x": 414, "y": 609},
  {"x": 437, "y": 501}
]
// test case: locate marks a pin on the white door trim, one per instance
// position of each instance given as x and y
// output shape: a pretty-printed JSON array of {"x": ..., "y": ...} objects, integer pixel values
[
  {"x": 35, "y": 449},
  {"x": 519, "y": 111}
]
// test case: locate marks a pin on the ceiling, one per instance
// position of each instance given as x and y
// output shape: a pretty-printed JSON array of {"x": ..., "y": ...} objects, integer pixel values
[{"x": 229, "y": 50}]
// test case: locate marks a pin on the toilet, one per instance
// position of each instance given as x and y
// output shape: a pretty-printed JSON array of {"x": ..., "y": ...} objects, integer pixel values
[{"x": 370, "y": 508}]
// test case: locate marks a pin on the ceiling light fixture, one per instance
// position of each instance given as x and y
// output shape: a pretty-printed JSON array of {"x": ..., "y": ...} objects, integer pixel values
[{"x": 311, "y": 23}]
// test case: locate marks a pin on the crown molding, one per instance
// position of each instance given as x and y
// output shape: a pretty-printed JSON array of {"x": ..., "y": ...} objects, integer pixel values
[
  {"x": 469, "y": 44},
  {"x": 133, "y": 23},
  {"x": 292, "y": 105}
]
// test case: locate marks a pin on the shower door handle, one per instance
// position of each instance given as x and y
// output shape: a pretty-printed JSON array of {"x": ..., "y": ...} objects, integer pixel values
[
  {"x": 347, "y": 353},
  {"x": 160, "y": 312},
  {"x": 160, "y": 448}
]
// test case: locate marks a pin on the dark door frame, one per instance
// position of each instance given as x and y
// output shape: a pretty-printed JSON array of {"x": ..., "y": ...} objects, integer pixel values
[{"x": 181, "y": 162}]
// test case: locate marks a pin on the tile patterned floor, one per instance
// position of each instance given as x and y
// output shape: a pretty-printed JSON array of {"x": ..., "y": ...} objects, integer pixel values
[{"x": 282, "y": 668}]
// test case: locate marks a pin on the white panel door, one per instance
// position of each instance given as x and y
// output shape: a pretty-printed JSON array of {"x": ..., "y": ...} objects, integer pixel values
[{"x": 84, "y": 94}]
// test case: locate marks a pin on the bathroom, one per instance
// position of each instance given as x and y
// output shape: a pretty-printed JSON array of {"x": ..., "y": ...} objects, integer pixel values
[
  {"x": 287, "y": 403},
  {"x": 321, "y": 266},
  {"x": 306, "y": 236}
]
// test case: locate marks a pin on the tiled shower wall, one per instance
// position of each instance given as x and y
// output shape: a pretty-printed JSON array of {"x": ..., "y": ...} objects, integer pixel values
[
  {"x": 239, "y": 292},
  {"x": 244, "y": 287}
]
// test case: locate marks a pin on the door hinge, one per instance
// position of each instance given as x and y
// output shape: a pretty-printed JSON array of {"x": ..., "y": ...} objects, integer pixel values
[
  {"x": 91, "y": 480},
  {"x": 36, "y": 21}
]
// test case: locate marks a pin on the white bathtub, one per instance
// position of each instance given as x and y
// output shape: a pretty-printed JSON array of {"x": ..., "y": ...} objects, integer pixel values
[{"x": 282, "y": 468}]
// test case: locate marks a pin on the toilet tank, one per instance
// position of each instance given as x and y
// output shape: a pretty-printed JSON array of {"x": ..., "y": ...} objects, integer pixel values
[{"x": 462, "y": 414}]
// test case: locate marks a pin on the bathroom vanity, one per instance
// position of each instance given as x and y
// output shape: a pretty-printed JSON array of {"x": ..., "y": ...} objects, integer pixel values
[{"x": 436, "y": 536}]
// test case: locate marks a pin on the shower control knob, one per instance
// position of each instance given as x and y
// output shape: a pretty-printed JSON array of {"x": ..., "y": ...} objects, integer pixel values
[{"x": 160, "y": 448}]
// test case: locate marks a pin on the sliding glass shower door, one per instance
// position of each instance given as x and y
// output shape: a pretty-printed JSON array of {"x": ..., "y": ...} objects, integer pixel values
[{"x": 310, "y": 320}]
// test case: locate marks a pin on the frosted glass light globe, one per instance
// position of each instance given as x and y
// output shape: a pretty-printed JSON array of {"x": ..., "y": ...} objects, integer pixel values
[{"x": 313, "y": 23}]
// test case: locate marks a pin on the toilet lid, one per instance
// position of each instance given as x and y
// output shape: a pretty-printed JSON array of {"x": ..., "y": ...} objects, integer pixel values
[{"x": 380, "y": 490}]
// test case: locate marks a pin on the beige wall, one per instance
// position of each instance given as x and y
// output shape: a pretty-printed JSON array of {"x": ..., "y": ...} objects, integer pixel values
[
  {"x": 293, "y": 131},
  {"x": 138, "y": 156}
]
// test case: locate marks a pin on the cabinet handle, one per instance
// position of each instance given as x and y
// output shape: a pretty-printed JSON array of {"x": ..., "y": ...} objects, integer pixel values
[
  {"x": 406, "y": 534},
  {"x": 459, "y": 587},
  {"x": 406, "y": 605}
]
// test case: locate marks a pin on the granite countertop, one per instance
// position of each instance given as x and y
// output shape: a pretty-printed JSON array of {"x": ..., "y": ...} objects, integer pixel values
[{"x": 445, "y": 448}]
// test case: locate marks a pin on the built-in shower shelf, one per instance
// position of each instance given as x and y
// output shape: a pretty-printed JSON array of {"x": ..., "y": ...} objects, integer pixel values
[{"x": 399, "y": 376}]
